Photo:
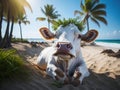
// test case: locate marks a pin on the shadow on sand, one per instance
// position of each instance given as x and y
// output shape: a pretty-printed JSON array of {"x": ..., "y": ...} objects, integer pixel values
[{"x": 38, "y": 82}]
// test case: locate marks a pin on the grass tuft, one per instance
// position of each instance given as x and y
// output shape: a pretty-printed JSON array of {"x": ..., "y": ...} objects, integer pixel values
[
  {"x": 57, "y": 84},
  {"x": 11, "y": 64}
]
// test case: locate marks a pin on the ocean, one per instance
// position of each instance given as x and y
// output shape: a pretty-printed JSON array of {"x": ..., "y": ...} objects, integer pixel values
[
  {"x": 35, "y": 39},
  {"x": 115, "y": 43}
]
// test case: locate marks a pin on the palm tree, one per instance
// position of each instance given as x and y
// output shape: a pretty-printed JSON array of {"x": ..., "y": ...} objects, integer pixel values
[
  {"x": 16, "y": 12},
  {"x": 92, "y": 9},
  {"x": 50, "y": 14},
  {"x": 3, "y": 7},
  {"x": 11, "y": 10},
  {"x": 1, "y": 17},
  {"x": 22, "y": 19}
]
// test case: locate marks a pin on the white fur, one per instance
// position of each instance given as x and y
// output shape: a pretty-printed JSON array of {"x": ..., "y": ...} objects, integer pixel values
[{"x": 64, "y": 34}]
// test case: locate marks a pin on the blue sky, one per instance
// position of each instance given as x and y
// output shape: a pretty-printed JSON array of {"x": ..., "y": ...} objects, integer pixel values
[{"x": 66, "y": 9}]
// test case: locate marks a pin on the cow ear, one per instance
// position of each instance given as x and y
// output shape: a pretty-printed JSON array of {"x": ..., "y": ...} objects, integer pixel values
[
  {"x": 46, "y": 34},
  {"x": 90, "y": 36}
]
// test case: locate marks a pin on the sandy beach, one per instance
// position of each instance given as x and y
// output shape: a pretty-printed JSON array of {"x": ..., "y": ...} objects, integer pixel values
[{"x": 105, "y": 70}]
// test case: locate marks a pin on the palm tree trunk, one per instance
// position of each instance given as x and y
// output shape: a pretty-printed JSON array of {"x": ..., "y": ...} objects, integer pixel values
[
  {"x": 1, "y": 19},
  {"x": 4, "y": 43},
  {"x": 48, "y": 24},
  {"x": 87, "y": 25},
  {"x": 11, "y": 31},
  {"x": 20, "y": 30}
]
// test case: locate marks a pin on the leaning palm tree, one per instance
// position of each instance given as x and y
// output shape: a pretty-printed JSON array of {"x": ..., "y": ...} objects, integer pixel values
[
  {"x": 50, "y": 13},
  {"x": 92, "y": 9},
  {"x": 22, "y": 19}
]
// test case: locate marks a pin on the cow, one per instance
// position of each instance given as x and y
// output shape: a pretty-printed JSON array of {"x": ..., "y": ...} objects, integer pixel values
[{"x": 63, "y": 60}]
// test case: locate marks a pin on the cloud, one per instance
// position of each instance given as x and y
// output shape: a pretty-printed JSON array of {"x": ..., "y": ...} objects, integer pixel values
[{"x": 115, "y": 34}]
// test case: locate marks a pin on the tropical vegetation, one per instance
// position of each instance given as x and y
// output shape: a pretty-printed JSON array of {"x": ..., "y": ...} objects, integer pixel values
[
  {"x": 66, "y": 22},
  {"x": 50, "y": 13},
  {"x": 93, "y": 10},
  {"x": 10, "y": 10},
  {"x": 16, "y": 40},
  {"x": 22, "y": 19},
  {"x": 11, "y": 65}
]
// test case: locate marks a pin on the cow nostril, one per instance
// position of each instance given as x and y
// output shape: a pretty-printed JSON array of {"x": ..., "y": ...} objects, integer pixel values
[
  {"x": 58, "y": 45},
  {"x": 69, "y": 46}
]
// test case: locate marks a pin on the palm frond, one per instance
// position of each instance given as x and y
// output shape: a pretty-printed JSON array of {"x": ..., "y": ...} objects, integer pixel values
[
  {"x": 53, "y": 21},
  {"x": 78, "y": 12},
  {"x": 25, "y": 3},
  {"x": 95, "y": 21},
  {"x": 41, "y": 18},
  {"x": 102, "y": 19},
  {"x": 94, "y": 3},
  {"x": 82, "y": 6},
  {"x": 98, "y": 7},
  {"x": 99, "y": 12},
  {"x": 88, "y": 4},
  {"x": 43, "y": 11},
  {"x": 26, "y": 22}
]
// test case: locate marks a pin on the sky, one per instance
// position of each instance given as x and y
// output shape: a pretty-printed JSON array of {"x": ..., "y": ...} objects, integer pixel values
[{"x": 66, "y": 8}]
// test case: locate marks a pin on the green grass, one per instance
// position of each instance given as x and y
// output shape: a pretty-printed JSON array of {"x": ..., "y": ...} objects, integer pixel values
[
  {"x": 11, "y": 65},
  {"x": 57, "y": 84}
]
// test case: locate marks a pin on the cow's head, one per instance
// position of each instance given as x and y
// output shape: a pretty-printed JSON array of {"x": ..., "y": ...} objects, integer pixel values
[{"x": 67, "y": 40}]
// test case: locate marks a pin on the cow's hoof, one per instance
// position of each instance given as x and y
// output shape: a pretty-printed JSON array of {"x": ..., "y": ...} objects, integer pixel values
[
  {"x": 60, "y": 73},
  {"x": 75, "y": 82},
  {"x": 77, "y": 75}
]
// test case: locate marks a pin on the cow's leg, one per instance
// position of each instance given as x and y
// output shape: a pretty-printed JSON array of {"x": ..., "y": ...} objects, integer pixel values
[
  {"x": 80, "y": 72},
  {"x": 79, "y": 75},
  {"x": 84, "y": 72},
  {"x": 75, "y": 78},
  {"x": 56, "y": 73}
]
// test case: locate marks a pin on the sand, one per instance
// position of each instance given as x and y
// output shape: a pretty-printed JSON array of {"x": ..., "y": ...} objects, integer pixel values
[{"x": 105, "y": 71}]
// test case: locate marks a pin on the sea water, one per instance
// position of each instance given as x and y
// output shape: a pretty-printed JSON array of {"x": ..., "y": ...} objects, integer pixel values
[
  {"x": 35, "y": 40},
  {"x": 109, "y": 42}
]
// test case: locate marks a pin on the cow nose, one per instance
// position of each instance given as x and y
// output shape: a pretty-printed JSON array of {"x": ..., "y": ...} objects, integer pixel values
[{"x": 64, "y": 46}]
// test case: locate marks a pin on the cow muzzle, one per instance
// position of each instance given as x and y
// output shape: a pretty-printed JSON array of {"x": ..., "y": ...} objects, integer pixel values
[{"x": 63, "y": 50}]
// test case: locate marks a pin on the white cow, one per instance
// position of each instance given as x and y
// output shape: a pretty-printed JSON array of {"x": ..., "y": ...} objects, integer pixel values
[{"x": 64, "y": 58}]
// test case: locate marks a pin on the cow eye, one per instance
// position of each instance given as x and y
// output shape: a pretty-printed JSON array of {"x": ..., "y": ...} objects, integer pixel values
[{"x": 79, "y": 36}]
